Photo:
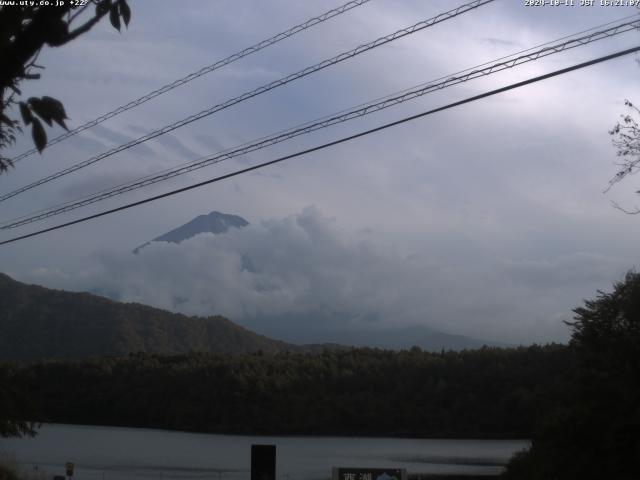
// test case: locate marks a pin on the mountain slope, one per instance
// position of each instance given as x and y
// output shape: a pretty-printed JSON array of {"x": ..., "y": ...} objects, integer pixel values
[
  {"x": 421, "y": 336},
  {"x": 214, "y": 222},
  {"x": 37, "y": 323},
  {"x": 323, "y": 328}
]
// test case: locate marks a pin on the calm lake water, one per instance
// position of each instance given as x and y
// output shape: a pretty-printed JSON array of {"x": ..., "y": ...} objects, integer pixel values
[{"x": 113, "y": 453}]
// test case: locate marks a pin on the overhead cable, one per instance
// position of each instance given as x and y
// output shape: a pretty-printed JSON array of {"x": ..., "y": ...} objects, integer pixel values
[
  {"x": 324, "y": 122},
  {"x": 329, "y": 144},
  {"x": 265, "y": 88},
  {"x": 203, "y": 71}
]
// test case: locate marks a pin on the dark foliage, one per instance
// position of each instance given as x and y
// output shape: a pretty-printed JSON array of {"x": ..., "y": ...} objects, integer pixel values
[
  {"x": 24, "y": 30},
  {"x": 596, "y": 433},
  {"x": 484, "y": 393},
  {"x": 8, "y": 473},
  {"x": 626, "y": 139},
  {"x": 16, "y": 411}
]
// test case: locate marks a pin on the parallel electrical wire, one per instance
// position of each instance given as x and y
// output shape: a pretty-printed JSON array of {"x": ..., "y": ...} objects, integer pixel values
[
  {"x": 203, "y": 71},
  {"x": 325, "y": 122},
  {"x": 265, "y": 88},
  {"x": 330, "y": 144}
]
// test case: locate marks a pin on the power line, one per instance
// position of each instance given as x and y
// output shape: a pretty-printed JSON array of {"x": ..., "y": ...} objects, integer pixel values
[
  {"x": 265, "y": 88},
  {"x": 325, "y": 122},
  {"x": 321, "y": 123},
  {"x": 330, "y": 144},
  {"x": 203, "y": 71}
]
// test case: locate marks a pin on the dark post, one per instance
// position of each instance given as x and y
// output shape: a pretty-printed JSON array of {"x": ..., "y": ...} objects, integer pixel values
[
  {"x": 263, "y": 462},
  {"x": 69, "y": 466}
]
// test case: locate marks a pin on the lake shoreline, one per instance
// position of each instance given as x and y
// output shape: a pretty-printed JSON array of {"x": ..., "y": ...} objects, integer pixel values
[
  {"x": 437, "y": 476},
  {"x": 124, "y": 453},
  {"x": 355, "y": 434}
]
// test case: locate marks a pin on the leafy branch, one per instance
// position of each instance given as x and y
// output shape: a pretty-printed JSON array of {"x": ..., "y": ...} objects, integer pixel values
[
  {"x": 626, "y": 139},
  {"x": 24, "y": 31}
]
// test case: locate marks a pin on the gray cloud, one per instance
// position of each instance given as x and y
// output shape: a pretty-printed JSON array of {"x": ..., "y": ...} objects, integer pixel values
[
  {"x": 116, "y": 138},
  {"x": 306, "y": 269},
  {"x": 99, "y": 182},
  {"x": 171, "y": 141},
  {"x": 210, "y": 142},
  {"x": 501, "y": 42}
]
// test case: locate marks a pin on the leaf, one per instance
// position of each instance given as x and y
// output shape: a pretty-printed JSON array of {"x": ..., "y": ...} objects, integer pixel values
[
  {"x": 6, "y": 120},
  {"x": 102, "y": 7},
  {"x": 60, "y": 122},
  {"x": 39, "y": 135},
  {"x": 5, "y": 163},
  {"x": 56, "y": 106},
  {"x": 125, "y": 11},
  {"x": 26, "y": 113},
  {"x": 49, "y": 108},
  {"x": 114, "y": 16},
  {"x": 59, "y": 115},
  {"x": 39, "y": 107}
]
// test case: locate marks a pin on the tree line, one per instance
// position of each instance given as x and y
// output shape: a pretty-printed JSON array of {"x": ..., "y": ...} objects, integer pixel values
[{"x": 485, "y": 393}]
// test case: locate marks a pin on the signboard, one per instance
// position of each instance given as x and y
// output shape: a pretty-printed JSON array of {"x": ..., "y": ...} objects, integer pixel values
[
  {"x": 339, "y": 473},
  {"x": 263, "y": 462},
  {"x": 69, "y": 467}
]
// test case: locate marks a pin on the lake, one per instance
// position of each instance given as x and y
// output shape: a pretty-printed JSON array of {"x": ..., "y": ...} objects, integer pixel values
[{"x": 114, "y": 453}]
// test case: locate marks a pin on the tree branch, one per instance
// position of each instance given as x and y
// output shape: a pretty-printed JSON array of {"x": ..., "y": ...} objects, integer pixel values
[
  {"x": 83, "y": 29},
  {"x": 80, "y": 10},
  {"x": 617, "y": 206}
]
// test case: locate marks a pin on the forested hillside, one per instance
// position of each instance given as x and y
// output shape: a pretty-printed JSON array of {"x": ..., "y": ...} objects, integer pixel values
[{"x": 38, "y": 323}]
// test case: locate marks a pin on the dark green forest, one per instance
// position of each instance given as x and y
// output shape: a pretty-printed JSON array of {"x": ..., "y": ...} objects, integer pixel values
[{"x": 485, "y": 393}]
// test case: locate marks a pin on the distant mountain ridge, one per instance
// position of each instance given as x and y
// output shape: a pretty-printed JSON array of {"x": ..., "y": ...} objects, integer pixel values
[
  {"x": 38, "y": 323},
  {"x": 311, "y": 331},
  {"x": 214, "y": 222}
]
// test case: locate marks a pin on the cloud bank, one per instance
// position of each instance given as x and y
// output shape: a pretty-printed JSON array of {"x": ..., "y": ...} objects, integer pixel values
[{"x": 306, "y": 268}]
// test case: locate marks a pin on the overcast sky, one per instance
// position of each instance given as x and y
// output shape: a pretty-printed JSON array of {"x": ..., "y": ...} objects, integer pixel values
[{"x": 486, "y": 220}]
